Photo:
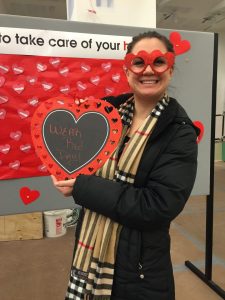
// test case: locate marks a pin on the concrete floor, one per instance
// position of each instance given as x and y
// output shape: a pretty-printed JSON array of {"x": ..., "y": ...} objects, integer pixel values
[{"x": 38, "y": 269}]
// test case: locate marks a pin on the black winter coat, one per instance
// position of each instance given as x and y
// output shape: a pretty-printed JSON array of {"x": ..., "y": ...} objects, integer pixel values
[{"x": 163, "y": 183}]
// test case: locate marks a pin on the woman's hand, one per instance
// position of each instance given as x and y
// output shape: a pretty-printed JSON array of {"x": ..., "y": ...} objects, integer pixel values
[
  {"x": 64, "y": 186},
  {"x": 79, "y": 101}
]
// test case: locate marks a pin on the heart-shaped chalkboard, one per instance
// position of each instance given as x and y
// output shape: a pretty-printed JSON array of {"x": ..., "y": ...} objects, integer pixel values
[{"x": 73, "y": 138}]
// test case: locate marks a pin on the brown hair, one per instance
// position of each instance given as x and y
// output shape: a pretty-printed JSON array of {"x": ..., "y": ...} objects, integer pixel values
[{"x": 150, "y": 34}]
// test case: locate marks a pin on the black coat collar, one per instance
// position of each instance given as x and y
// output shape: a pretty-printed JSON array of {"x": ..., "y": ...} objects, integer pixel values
[{"x": 174, "y": 113}]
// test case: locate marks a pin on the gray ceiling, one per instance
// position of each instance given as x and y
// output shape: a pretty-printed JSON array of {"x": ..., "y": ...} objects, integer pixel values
[{"x": 201, "y": 15}]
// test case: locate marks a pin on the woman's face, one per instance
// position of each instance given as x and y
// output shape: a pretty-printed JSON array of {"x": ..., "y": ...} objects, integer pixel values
[{"x": 148, "y": 84}]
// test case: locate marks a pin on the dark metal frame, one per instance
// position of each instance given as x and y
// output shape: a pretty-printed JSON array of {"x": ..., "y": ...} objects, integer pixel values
[{"x": 207, "y": 275}]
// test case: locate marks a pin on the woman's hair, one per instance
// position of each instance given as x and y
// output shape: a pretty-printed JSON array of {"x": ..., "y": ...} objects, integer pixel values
[{"x": 149, "y": 35}]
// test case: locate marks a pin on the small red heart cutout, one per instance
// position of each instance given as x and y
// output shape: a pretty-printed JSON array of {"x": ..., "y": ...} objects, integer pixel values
[
  {"x": 28, "y": 195},
  {"x": 55, "y": 61},
  {"x": 180, "y": 46},
  {"x": 201, "y": 128}
]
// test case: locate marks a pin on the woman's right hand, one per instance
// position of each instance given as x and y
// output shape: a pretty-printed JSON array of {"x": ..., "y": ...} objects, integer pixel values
[{"x": 64, "y": 186}]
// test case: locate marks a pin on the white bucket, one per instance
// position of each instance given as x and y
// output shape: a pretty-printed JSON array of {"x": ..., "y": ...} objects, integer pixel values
[{"x": 54, "y": 221}]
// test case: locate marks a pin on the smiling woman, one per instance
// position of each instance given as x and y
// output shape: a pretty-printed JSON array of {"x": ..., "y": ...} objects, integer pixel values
[{"x": 122, "y": 249}]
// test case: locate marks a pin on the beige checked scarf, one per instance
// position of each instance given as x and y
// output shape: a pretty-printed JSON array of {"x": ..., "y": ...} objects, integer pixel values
[{"x": 93, "y": 265}]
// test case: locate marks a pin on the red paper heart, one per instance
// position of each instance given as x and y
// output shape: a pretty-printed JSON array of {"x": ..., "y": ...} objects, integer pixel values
[
  {"x": 17, "y": 70},
  {"x": 15, "y": 135},
  {"x": 47, "y": 86},
  {"x": 32, "y": 79},
  {"x": 55, "y": 61},
  {"x": 64, "y": 72},
  {"x": 41, "y": 67},
  {"x": 23, "y": 113},
  {"x": 18, "y": 87},
  {"x": 3, "y": 99},
  {"x": 81, "y": 86},
  {"x": 28, "y": 195},
  {"x": 2, "y": 81},
  {"x": 116, "y": 77},
  {"x": 42, "y": 168},
  {"x": 109, "y": 90},
  {"x": 5, "y": 148},
  {"x": 64, "y": 89},
  {"x": 33, "y": 101},
  {"x": 95, "y": 80},
  {"x": 180, "y": 46},
  {"x": 4, "y": 69},
  {"x": 68, "y": 138},
  {"x": 202, "y": 129},
  {"x": 106, "y": 66},
  {"x": 14, "y": 165},
  {"x": 85, "y": 68},
  {"x": 2, "y": 114},
  {"x": 25, "y": 148}
]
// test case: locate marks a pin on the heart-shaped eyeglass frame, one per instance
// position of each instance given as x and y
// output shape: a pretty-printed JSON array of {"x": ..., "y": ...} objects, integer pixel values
[{"x": 159, "y": 62}]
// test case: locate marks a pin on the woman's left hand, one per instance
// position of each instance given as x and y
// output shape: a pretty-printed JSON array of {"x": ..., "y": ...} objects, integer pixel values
[{"x": 64, "y": 186}]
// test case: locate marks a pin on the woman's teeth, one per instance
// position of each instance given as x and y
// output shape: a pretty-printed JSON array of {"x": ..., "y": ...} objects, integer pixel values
[{"x": 149, "y": 81}]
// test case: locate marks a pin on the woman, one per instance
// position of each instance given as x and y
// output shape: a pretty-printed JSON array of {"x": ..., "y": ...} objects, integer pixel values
[{"x": 123, "y": 245}]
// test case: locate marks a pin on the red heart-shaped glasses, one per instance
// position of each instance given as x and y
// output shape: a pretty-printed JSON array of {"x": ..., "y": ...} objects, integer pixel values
[{"x": 159, "y": 62}]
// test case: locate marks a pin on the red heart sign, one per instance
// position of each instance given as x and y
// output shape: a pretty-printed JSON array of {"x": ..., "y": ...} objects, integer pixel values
[
  {"x": 28, "y": 195},
  {"x": 73, "y": 138},
  {"x": 2, "y": 81},
  {"x": 201, "y": 127},
  {"x": 180, "y": 46}
]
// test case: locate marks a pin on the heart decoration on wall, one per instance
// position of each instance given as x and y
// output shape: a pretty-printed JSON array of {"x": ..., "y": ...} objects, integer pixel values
[
  {"x": 180, "y": 46},
  {"x": 200, "y": 126},
  {"x": 28, "y": 196},
  {"x": 73, "y": 138}
]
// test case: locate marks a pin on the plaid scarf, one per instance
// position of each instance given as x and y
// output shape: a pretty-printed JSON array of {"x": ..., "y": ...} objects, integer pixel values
[{"x": 93, "y": 265}]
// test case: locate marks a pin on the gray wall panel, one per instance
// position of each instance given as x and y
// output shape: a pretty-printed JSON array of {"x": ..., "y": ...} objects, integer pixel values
[{"x": 191, "y": 86}]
